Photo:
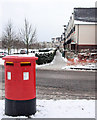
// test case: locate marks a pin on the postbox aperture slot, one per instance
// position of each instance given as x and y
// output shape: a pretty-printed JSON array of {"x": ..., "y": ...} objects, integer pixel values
[
  {"x": 25, "y": 64},
  {"x": 10, "y": 63}
]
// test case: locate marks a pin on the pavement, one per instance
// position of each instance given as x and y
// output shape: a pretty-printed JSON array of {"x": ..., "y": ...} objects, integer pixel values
[{"x": 57, "y": 63}]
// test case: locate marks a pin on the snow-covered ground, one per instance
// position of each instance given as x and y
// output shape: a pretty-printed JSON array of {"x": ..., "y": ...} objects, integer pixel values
[
  {"x": 59, "y": 109},
  {"x": 91, "y": 66},
  {"x": 79, "y": 66}
]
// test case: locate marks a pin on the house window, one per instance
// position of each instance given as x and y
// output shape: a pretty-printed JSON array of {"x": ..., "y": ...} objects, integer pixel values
[{"x": 72, "y": 46}]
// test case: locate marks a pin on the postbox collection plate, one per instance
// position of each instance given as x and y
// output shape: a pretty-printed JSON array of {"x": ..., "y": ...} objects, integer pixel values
[
  {"x": 25, "y": 75},
  {"x": 9, "y": 75}
]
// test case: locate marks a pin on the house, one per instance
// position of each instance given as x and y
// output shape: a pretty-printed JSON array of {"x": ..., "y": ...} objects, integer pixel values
[
  {"x": 79, "y": 34},
  {"x": 58, "y": 42}
]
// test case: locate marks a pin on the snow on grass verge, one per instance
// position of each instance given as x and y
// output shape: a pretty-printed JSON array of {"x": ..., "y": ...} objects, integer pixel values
[
  {"x": 60, "y": 109},
  {"x": 91, "y": 66},
  {"x": 75, "y": 64}
]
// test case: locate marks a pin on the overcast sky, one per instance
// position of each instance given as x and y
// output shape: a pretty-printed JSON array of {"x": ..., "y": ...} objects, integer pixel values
[{"x": 47, "y": 16}]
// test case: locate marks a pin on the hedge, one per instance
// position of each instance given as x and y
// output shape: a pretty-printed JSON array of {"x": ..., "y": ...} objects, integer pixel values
[{"x": 45, "y": 57}]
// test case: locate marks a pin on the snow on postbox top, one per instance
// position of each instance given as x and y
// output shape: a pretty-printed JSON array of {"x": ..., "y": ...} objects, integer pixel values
[{"x": 19, "y": 59}]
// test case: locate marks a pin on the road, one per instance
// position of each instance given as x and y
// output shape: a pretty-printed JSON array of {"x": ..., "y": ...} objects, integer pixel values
[
  {"x": 65, "y": 84},
  {"x": 54, "y": 84}
]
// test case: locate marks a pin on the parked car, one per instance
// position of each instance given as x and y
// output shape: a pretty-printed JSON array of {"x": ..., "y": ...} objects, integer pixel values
[
  {"x": 2, "y": 54},
  {"x": 23, "y": 52}
]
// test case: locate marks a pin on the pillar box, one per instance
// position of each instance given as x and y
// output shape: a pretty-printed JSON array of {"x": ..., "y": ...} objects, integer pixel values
[{"x": 20, "y": 85}]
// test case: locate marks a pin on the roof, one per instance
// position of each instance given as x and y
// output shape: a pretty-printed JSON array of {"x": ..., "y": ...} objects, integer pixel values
[
  {"x": 84, "y": 23},
  {"x": 85, "y": 14}
]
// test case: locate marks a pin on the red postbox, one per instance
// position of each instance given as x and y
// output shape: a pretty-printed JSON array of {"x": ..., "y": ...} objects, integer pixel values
[{"x": 20, "y": 85}]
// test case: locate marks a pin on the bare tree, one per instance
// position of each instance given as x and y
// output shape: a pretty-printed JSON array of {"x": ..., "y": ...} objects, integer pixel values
[
  {"x": 28, "y": 35},
  {"x": 18, "y": 44},
  {"x": 44, "y": 45},
  {"x": 35, "y": 45},
  {"x": 8, "y": 36}
]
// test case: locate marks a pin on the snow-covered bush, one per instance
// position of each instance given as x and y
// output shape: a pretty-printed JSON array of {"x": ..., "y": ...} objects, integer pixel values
[{"x": 45, "y": 57}]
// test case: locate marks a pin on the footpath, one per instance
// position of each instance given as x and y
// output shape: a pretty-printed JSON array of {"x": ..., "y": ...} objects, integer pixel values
[{"x": 57, "y": 63}]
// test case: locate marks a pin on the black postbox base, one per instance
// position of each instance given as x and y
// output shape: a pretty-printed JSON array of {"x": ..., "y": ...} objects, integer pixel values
[{"x": 20, "y": 107}]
